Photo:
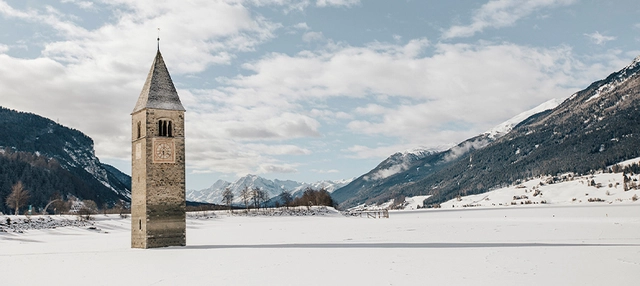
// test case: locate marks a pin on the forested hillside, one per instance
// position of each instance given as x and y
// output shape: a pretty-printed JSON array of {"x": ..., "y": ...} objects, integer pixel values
[
  {"x": 51, "y": 160},
  {"x": 594, "y": 128}
]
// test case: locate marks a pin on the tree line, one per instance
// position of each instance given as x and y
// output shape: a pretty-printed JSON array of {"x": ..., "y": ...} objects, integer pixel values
[
  {"x": 19, "y": 197},
  {"x": 256, "y": 198}
]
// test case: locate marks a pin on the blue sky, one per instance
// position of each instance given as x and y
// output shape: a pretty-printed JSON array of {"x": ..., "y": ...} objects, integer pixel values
[{"x": 306, "y": 90}]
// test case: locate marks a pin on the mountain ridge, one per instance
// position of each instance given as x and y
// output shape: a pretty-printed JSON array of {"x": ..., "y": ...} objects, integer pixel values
[
  {"x": 273, "y": 188},
  {"x": 492, "y": 159}
]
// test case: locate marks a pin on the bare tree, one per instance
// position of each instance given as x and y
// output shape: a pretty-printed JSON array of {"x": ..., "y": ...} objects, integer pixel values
[
  {"x": 88, "y": 208},
  {"x": 263, "y": 197},
  {"x": 286, "y": 198},
  {"x": 245, "y": 194},
  {"x": 18, "y": 197},
  {"x": 255, "y": 195},
  {"x": 259, "y": 196},
  {"x": 121, "y": 207},
  {"x": 61, "y": 206},
  {"x": 227, "y": 197}
]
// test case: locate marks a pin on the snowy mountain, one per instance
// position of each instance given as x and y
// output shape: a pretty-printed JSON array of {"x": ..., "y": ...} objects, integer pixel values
[
  {"x": 593, "y": 128},
  {"x": 273, "y": 188},
  {"x": 408, "y": 166},
  {"x": 50, "y": 158}
]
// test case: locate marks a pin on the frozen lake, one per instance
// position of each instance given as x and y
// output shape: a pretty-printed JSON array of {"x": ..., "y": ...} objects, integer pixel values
[{"x": 540, "y": 245}]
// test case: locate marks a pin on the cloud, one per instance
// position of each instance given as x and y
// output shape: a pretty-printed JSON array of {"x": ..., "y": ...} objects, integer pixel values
[
  {"x": 82, "y": 4},
  {"x": 459, "y": 150},
  {"x": 459, "y": 84},
  {"x": 278, "y": 149},
  {"x": 501, "y": 13},
  {"x": 330, "y": 116},
  {"x": 285, "y": 168},
  {"x": 398, "y": 91},
  {"x": 312, "y": 37},
  {"x": 365, "y": 152},
  {"x": 346, "y": 3},
  {"x": 385, "y": 173},
  {"x": 301, "y": 26},
  {"x": 50, "y": 16},
  {"x": 599, "y": 39},
  {"x": 88, "y": 78},
  {"x": 4, "y": 48},
  {"x": 332, "y": 171}
]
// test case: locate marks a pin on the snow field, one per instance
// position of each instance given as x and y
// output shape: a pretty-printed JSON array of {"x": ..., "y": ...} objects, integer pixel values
[
  {"x": 550, "y": 245},
  {"x": 572, "y": 192}
]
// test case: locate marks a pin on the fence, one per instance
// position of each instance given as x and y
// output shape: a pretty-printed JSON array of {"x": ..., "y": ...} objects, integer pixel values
[{"x": 383, "y": 213}]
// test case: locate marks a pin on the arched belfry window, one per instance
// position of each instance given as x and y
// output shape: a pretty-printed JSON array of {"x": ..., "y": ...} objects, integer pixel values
[{"x": 165, "y": 128}]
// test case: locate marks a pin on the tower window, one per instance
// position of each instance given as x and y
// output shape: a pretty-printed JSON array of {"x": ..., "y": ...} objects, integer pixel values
[
  {"x": 165, "y": 128},
  {"x": 139, "y": 130}
]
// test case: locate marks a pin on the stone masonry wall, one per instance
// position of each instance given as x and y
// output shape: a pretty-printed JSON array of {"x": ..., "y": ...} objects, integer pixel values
[{"x": 158, "y": 189}]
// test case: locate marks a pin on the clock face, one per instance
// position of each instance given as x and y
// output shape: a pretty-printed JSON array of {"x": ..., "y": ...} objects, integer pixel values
[{"x": 163, "y": 152}]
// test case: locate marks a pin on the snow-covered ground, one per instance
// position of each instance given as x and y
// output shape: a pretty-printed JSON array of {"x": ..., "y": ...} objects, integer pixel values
[
  {"x": 603, "y": 188},
  {"x": 590, "y": 244}
]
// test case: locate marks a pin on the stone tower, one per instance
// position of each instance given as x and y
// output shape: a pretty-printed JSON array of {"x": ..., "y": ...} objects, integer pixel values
[{"x": 157, "y": 163}]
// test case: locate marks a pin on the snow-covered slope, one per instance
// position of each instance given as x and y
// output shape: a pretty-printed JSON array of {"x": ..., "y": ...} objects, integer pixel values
[
  {"x": 603, "y": 188},
  {"x": 567, "y": 189},
  {"x": 397, "y": 163},
  {"x": 505, "y": 127}
]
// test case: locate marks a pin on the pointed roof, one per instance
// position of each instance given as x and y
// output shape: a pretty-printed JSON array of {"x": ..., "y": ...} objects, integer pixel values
[{"x": 158, "y": 91}]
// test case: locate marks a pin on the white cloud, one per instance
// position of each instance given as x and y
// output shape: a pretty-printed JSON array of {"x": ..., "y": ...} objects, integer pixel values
[
  {"x": 278, "y": 149},
  {"x": 460, "y": 150},
  {"x": 329, "y": 115},
  {"x": 364, "y": 152},
  {"x": 501, "y": 13},
  {"x": 309, "y": 37},
  {"x": 385, "y": 173},
  {"x": 4, "y": 48},
  {"x": 599, "y": 39},
  {"x": 289, "y": 5},
  {"x": 49, "y": 16},
  {"x": 84, "y": 71},
  {"x": 371, "y": 109},
  {"x": 283, "y": 168},
  {"x": 331, "y": 171},
  {"x": 347, "y": 3},
  {"x": 82, "y": 4},
  {"x": 457, "y": 92},
  {"x": 301, "y": 26}
]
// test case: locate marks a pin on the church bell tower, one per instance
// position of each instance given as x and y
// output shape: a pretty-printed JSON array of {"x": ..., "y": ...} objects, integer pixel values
[{"x": 158, "y": 163}]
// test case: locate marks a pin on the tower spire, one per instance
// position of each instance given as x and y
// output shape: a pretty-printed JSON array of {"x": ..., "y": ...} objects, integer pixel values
[{"x": 158, "y": 39}]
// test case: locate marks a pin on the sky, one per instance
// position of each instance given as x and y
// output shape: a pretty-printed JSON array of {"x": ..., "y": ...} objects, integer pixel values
[{"x": 306, "y": 90}]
